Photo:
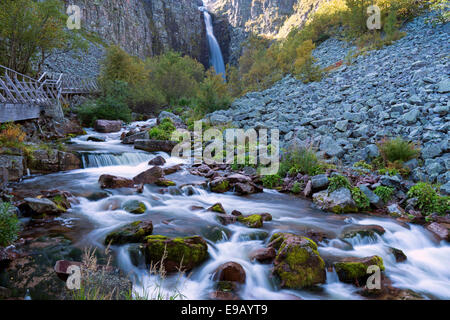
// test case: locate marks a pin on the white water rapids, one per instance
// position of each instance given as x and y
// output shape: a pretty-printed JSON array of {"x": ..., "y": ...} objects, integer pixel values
[{"x": 426, "y": 270}]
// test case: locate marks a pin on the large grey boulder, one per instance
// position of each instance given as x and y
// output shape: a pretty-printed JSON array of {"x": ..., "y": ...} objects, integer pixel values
[
  {"x": 444, "y": 86},
  {"x": 138, "y": 136},
  {"x": 13, "y": 165},
  {"x": 107, "y": 126},
  {"x": 218, "y": 119},
  {"x": 373, "y": 198},
  {"x": 319, "y": 181},
  {"x": 150, "y": 145},
  {"x": 177, "y": 121},
  {"x": 43, "y": 206},
  {"x": 339, "y": 201}
]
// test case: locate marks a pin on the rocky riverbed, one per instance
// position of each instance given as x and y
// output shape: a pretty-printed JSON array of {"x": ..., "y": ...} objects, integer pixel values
[{"x": 230, "y": 237}]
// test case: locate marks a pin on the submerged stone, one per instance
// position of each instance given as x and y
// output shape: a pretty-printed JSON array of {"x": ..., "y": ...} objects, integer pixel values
[{"x": 134, "y": 206}]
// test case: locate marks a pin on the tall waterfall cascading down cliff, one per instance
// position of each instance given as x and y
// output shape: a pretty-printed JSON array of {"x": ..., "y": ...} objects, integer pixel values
[{"x": 215, "y": 54}]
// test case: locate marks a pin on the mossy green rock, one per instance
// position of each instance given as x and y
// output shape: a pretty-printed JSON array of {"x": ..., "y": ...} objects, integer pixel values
[
  {"x": 253, "y": 221},
  {"x": 354, "y": 270},
  {"x": 297, "y": 263},
  {"x": 220, "y": 185},
  {"x": 134, "y": 206},
  {"x": 217, "y": 208},
  {"x": 181, "y": 253},
  {"x": 165, "y": 183},
  {"x": 131, "y": 233}
]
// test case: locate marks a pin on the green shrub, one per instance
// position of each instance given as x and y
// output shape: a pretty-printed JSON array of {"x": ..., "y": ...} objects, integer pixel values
[
  {"x": 385, "y": 193},
  {"x": 271, "y": 181},
  {"x": 120, "y": 66},
  {"x": 337, "y": 182},
  {"x": 213, "y": 93},
  {"x": 361, "y": 200},
  {"x": 428, "y": 200},
  {"x": 296, "y": 187},
  {"x": 163, "y": 131},
  {"x": 111, "y": 105},
  {"x": 441, "y": 8},
  {"x": 175, "y": 76},
  {"x": 300, "y": 160},
  {"x": 9, "y": 224},
  {"x": 304, "y": 67},
  {"x": 397, "y": 149},
  {"x": 363, "y": 164}
]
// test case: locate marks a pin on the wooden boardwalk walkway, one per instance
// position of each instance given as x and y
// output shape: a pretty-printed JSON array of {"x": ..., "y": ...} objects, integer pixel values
[
  {"x": 22, "y": 97},
  {"x": 16, "y": 88}
]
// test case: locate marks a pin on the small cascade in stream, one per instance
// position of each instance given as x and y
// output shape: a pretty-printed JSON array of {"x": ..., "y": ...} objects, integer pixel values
[
  {"x": 215, "y": 54},
  {"x": 97, "y": 160}
]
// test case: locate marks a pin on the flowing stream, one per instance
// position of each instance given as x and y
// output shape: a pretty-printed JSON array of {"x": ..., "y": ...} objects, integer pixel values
[
  {"x": 215, "y": 54},
  {"x": 425, "y": 271}
]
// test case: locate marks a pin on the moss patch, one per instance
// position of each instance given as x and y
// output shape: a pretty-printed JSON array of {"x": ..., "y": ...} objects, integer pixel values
[
  {"x": 253, "y": 221},
  {"x": 184, "y": 253}
]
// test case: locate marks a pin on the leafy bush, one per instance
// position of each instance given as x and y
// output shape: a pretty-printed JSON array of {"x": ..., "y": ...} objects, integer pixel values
[
  {"x": 11, "y": 135},
  {"x": 120, "y": 66},
  {"x": 441, "y": 8},
  {"x": 213, "y": 93},
  {"x": 361, "y": 200},
  {"x": 9, "y": 224},
  {"x": 397, "y": 149},
  {"x": 304, "y": 67},
  {"x": 271, "y": 181},
  {"x": 296, "y": 187},
  {"x": 337, "y": 182},
  {"x": 428, "y": 200},
  {"x": 163, "y": 131},
  {"x": 111, "y": 106},
  {"x": 363, "y": 164},
  {"x": 385, "y": 193},
  {"x": 300, "y": 160},
  {"x": 175, "y": 76}
]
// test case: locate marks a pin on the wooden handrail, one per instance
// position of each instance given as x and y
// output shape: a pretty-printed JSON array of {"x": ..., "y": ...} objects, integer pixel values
[{"x": 18, "y": 88}]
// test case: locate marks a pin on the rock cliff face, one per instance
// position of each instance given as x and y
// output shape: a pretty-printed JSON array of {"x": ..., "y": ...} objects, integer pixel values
[
  {"x": 147, "y": 27},
  {"x": 270, "y": 18}
]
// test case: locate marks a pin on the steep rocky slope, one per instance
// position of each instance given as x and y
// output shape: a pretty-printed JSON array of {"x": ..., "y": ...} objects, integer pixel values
[
  {"x": 270, "y": 18},
  {"x": 402, "y": 89}
]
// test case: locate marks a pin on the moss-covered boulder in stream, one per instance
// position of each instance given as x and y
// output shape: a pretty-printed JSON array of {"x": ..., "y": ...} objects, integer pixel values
[
  {"x": 253, "y": 221},
  {"x": 165, "y": 183},
  {"x": 297, "y": 262},
  {"x": 134, "y": 206},
  {"x": 354, "y": 270},
  {"x": 131, "y": 233},
  {"x": 181, "y": 253},
  {"x": 220, "y": 185}
]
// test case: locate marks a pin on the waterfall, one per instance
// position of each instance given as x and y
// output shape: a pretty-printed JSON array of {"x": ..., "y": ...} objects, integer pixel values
[
  {"x": 97, "y": 160},
  {"x": 216, "y": 58}
]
